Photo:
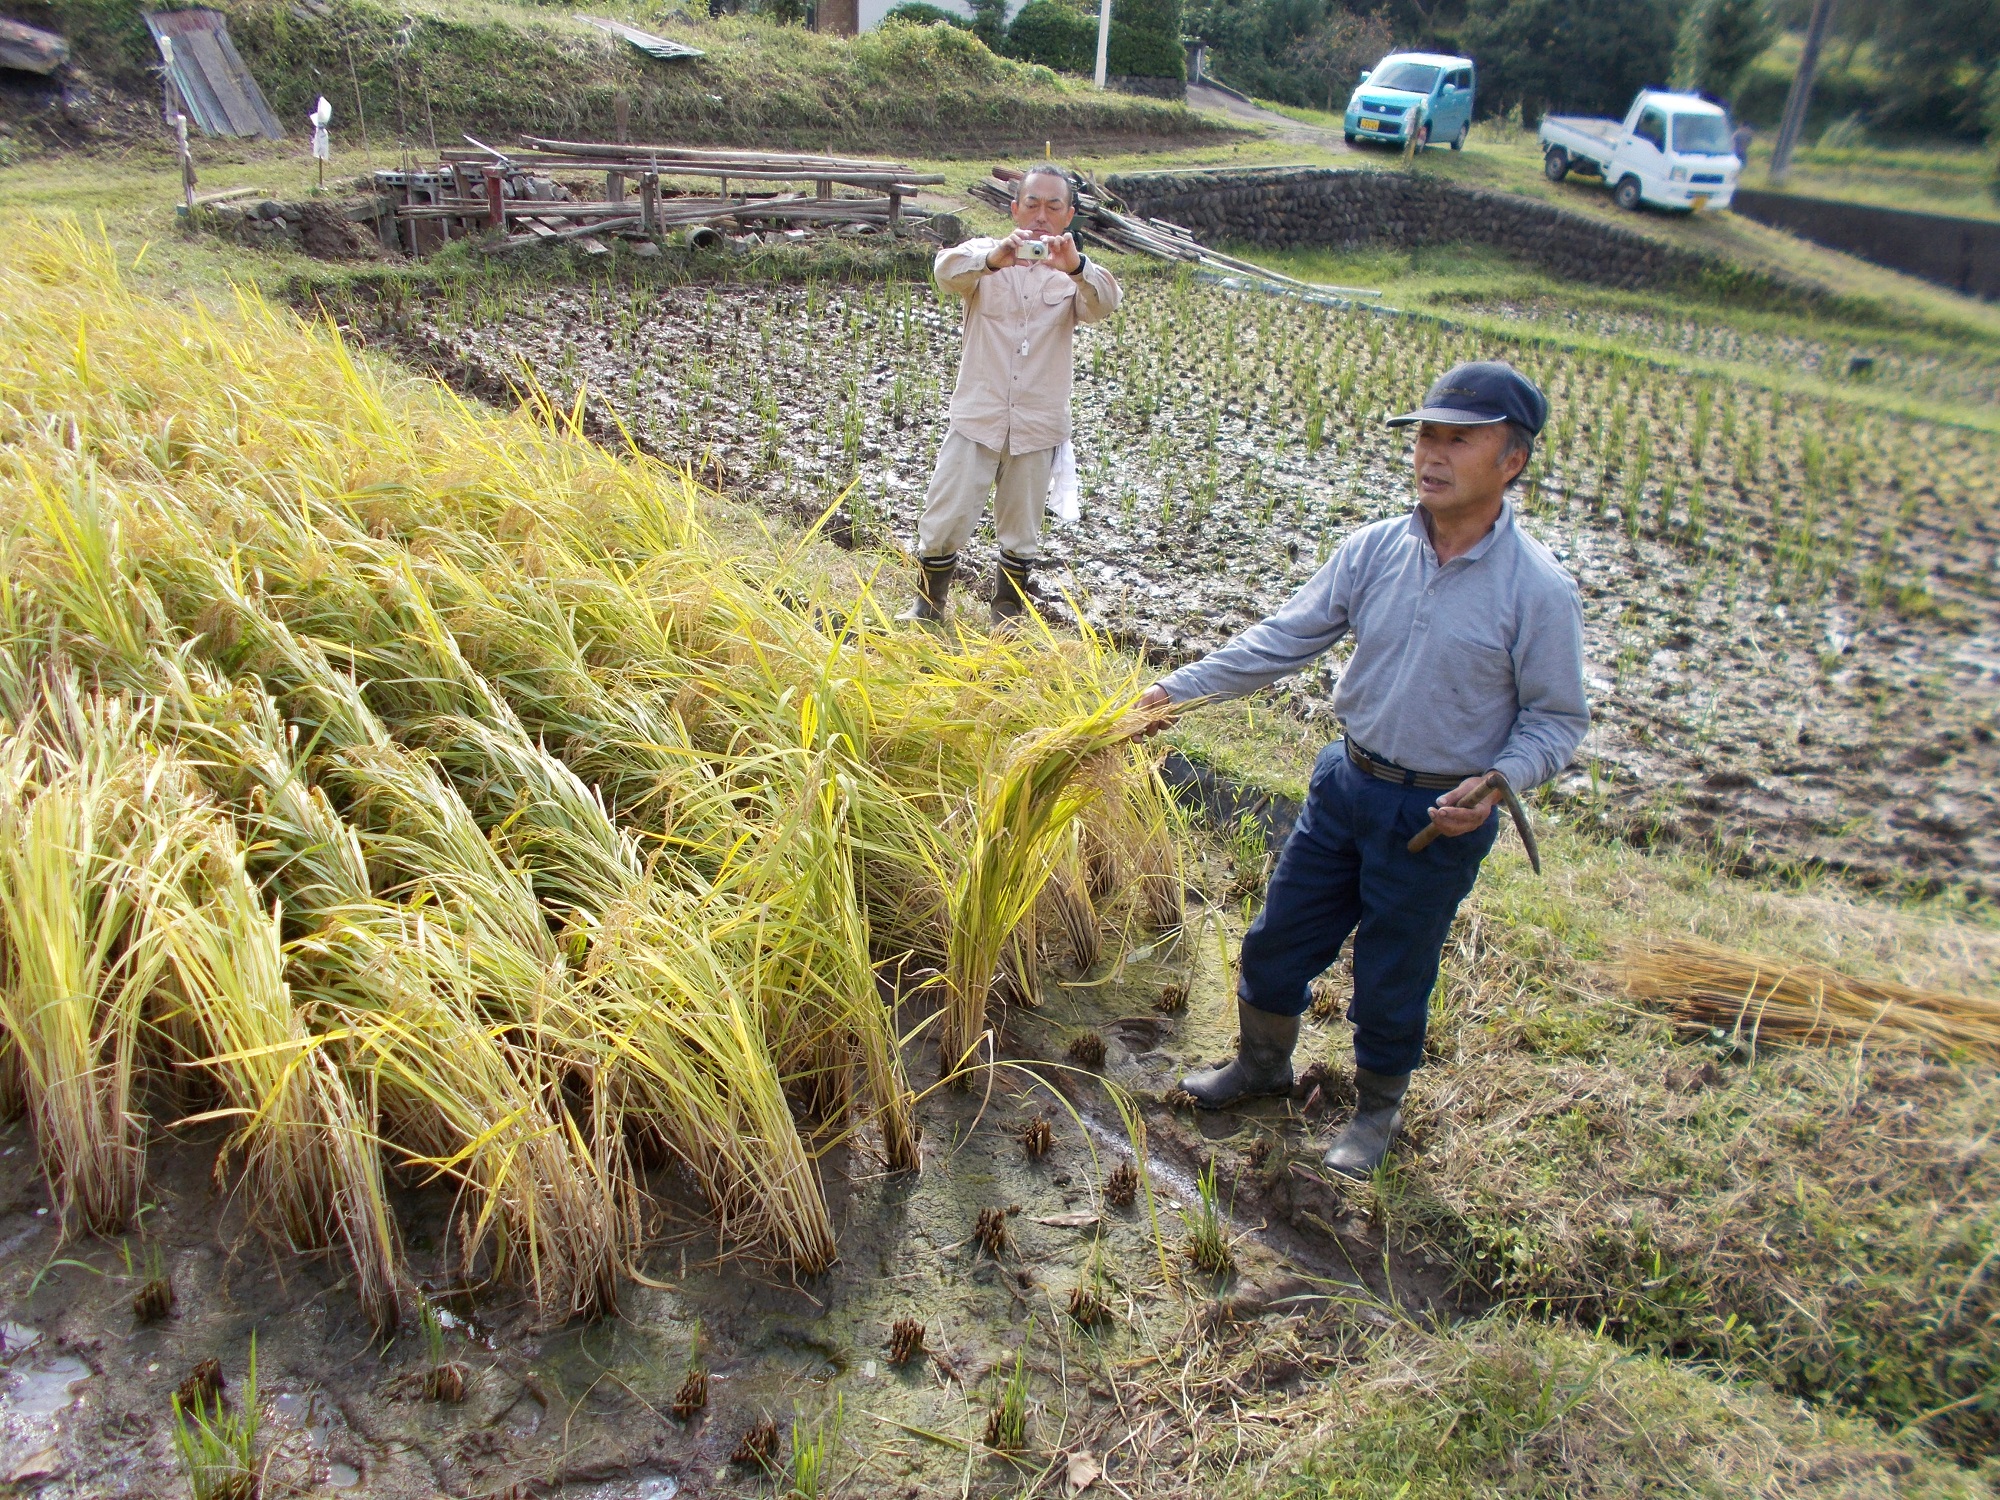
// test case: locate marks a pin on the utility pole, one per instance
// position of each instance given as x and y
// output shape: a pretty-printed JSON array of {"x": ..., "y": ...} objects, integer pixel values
[
  {"x": 1103, "y": 38},
  {"x": 1796, "y": 101}
]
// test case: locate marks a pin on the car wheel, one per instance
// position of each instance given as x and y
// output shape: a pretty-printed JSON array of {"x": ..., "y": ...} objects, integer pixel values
[
  {"x": 1627, "y": 193},
  {"x": 1353, "y": 139},
  {"x": 1458, "y": 141},
  {"x": 1555, "y": 166},
  {"x": 1423, "y": 137}
]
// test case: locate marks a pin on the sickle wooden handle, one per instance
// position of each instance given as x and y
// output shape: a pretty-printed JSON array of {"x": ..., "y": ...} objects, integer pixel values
[{"x": 1490, "y": 791}]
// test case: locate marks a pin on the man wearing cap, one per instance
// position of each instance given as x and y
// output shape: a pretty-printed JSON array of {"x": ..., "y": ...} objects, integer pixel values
[
  {"x": 1024, "y": 297},
  {"x": 1468, "y": 660}
]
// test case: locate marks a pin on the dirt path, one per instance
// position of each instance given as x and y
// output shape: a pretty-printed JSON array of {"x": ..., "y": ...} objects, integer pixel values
[{"x": 1240, "y": 112}]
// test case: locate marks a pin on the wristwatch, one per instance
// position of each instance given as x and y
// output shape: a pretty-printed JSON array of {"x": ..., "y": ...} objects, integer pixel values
[{"x": 1082, "y": 265}]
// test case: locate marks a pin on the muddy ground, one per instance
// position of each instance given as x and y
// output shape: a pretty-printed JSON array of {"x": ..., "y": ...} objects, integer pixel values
[
  {"x": 1793, "y": 634},
  {"x": 588, "y": 1412}
]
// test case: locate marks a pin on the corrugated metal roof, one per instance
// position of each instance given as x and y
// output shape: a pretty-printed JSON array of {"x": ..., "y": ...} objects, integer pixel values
[
  {"x": 645, "y": 41},
  {"x": 29, "y": 49},
  {"x": 221, "y": 96}
]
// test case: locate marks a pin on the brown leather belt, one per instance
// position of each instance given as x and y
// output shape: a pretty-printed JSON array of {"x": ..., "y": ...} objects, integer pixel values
[{"x": 1388, "y": 770}]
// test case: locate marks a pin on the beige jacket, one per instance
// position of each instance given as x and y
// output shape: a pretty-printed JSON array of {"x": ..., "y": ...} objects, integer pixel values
[{"x": 1014, "y": 376}]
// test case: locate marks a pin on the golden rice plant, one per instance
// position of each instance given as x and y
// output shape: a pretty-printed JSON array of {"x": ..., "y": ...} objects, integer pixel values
[
  {"x": 309, "y": 1150},
  {"x": 532, "y": 820},
  {"x": 78, "y": 836}
]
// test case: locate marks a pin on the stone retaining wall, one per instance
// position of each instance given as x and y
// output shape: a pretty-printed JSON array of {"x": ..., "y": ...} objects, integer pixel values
[
  {"x": 1289, "y": 207},
  {"x": 1963, "y": 254}
]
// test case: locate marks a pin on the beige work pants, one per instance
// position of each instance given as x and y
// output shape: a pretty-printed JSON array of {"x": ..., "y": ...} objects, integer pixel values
[{"x": 966, "y": 473}]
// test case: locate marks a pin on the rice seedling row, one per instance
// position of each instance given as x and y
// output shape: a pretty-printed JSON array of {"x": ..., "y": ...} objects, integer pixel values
[{"x": 1789, "y": 603}]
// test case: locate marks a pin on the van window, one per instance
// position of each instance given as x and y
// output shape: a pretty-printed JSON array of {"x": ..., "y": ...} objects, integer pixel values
[
  {"x": 1652, "y": 127},
  {"x": 1463, "y": 78},
  {"x": 1408, "y": 77}
]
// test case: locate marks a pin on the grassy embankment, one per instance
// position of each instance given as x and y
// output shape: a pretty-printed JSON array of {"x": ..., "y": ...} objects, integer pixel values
[{"x": 423, "y": 73}]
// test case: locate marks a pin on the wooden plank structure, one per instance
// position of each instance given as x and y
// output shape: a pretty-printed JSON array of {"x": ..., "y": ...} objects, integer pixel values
[
  {"x": 219, "y": 94},
  {"x": 478, "y": 188}
]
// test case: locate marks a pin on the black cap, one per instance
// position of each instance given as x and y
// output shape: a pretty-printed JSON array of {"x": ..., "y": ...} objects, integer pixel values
[{"x": 1480, "y": 393}]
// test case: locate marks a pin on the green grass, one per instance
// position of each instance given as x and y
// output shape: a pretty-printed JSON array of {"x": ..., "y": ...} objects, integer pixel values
[
  {"x": 1937, "y": 178},
  {"x": 1941, "y": 368},
  {"x": 498, "y": 69},
  {"x": 1818, "y": 1219},
  {"x": 1501, "y": 1408}
]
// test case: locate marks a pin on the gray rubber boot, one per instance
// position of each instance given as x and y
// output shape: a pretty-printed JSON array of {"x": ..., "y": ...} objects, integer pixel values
[
  {"x": 1262, "y": 1065},
  {"x": 934, "y": 575},
  {"x": 1378, "y": 1114},
  {"x": 1010, "y": 591}
]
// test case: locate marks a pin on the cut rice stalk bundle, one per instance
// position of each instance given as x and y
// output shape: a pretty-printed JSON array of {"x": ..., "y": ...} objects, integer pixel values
[{"x": 1810, "y": 1004}]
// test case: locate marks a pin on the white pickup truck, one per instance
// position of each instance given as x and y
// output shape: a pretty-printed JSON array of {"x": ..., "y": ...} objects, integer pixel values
[{"x": 1672, "y": 151}]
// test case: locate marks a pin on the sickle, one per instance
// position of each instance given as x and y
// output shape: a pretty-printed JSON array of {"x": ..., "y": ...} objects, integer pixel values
[{"x": 1492, "y": 788}]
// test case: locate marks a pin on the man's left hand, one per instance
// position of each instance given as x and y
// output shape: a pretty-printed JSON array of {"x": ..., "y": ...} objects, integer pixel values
[
  {"x": 1453, "y": 820},
  {"x": 1063, "y": 254}
]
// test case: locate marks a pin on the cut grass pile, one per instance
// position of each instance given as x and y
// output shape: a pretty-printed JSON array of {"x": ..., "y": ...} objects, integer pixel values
[
  {"x": 1820, "y": 1219},
  {"x": 437, "y": 795}
]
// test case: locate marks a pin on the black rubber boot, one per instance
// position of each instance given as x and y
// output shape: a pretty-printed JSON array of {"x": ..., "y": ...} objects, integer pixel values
[
  {"x": 1262, "y": 1065},
  {"x": 1010, "y": 589},
  {"x": 934, "y": 575},
  {"x": 1378, "y": 1114}
]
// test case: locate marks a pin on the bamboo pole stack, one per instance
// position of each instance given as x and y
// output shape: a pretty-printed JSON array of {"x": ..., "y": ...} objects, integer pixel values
[{"x": 1100, "y": 222}]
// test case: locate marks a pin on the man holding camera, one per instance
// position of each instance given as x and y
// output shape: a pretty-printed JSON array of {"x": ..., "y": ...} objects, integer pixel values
[
  {"x": 1024, "y": 296},
  {"x": 1466, "y": 683}
]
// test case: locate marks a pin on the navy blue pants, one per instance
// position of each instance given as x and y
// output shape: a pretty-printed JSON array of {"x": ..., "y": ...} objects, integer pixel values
[{"x": 1345, "y": 869}]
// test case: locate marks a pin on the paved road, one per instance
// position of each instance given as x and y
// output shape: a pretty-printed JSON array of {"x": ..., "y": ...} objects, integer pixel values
[{"x": 1200, "y": 96}]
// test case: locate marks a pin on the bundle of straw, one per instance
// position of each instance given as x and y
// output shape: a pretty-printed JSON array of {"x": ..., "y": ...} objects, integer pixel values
[{"x": 1711, "y": 986}]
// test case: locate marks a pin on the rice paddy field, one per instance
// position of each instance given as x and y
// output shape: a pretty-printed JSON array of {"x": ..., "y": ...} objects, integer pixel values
[
  {"x": 519, "y": 980},
  {"x": 1788, "y": 589}
]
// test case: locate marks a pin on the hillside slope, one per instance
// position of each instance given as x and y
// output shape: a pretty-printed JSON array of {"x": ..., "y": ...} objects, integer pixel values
[{"x": 438, "y": 67}]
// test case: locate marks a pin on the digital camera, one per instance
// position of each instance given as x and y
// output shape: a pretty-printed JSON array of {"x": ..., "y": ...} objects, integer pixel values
[{"x": 1032, "y": 250}]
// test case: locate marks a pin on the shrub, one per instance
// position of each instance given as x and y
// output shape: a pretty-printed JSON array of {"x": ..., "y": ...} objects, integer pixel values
[
  {"x": 1146, "y": 40},
  {"x": 920, "y": 13},
  {"x": 1054, "y": 34}
]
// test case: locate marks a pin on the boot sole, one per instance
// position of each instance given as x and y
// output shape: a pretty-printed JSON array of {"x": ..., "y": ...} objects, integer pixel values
[{"x": 1278, "y": 1092}]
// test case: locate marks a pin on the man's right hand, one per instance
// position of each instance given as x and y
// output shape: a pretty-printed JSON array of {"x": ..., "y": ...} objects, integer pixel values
[
  {"x": 1155, "y": 701},
  {"x": 1002, "y": 255}
]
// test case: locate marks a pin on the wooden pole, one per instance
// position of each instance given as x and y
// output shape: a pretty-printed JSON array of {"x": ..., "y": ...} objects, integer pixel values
[
  {"x": 649, "y": 202},
  {"x": 621, "y": 114},
  {"x": 1794, "y": 121},
  {"x": 187, "y": 160},
  {"x": 496, "y": 215}
]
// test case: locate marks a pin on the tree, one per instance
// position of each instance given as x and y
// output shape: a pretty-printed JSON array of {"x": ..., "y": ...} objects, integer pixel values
[
  {"x": 1145, "y": 40},
  {"x": 1294, "y": 51},
  {"x": 1329, "y": 58},
  {"x": 989, "y": 22},
  {"x": 1718, "y": 41},
  {"x": 1054, "y": 34},
  {"x": 1581, "y": 56}
]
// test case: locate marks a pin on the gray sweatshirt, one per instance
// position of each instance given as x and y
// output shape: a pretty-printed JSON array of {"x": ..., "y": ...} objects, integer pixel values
[{"x": 1469, "y": 667}]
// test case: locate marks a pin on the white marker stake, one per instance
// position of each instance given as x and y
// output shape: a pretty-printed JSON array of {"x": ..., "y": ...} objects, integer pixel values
[
  {"x": 1103, "y": 38},
  {"x": 322, "y": 146}
]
